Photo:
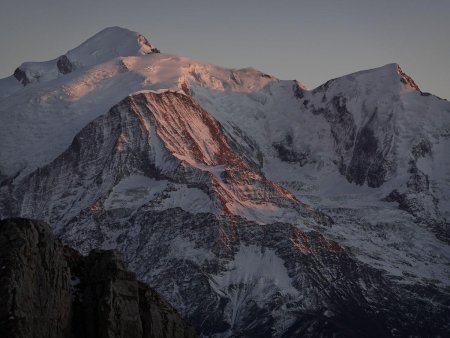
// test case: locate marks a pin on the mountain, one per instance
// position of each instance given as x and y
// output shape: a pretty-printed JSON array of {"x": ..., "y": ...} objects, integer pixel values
[
  {"x": 256, "y": 206},
  {"x": 48, "y": 290}
]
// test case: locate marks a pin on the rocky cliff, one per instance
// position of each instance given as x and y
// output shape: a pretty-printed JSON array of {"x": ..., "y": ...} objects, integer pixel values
[{"x": 49, "y": 290}]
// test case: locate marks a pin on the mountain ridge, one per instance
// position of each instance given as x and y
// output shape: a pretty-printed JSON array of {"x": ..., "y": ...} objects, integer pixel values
[{"x": 294, "y": 211}]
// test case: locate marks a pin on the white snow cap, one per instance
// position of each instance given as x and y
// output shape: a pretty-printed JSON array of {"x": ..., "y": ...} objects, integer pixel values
[
  {"x": 104, "y": 46},
  {"x": 386, "y": 79},
  {"x": 110, "y": 43},
  {"x": 391, "y": 72}
]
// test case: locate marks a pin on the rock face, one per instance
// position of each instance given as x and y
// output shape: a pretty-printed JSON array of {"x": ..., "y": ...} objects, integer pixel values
[
  {"x": 35, "y": 294},
  {"x": 64, "y": 65},
  {"x": 21, "y": 76},
  {"x": 48, "y": 290}
]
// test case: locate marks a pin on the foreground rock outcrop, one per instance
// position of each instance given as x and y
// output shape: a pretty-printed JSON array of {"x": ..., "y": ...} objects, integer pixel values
[{"x": 48, "y": 290}]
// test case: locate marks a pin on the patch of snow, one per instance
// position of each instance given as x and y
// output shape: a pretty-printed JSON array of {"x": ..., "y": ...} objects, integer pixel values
[
  {"x": 254, "y": 273},
  {"x": 134, "y": 191},
  {"x": 182, "y": 247},
  {"x": 256, "y": 266},
  {"x": 189, "y": 199},
  {"x": 328, "y": 313}
]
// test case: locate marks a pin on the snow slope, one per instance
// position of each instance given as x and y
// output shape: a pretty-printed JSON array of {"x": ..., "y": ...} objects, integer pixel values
[{"x": 53, "y": 112}]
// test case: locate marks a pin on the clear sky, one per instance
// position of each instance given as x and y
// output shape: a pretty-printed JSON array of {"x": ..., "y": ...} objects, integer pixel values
[{"x": 311, "y": 41}]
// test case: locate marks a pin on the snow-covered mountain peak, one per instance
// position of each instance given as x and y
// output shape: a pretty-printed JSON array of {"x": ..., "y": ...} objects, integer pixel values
[
  {"x": 106, "y": 45},
  {"x": 391, "y": 76},
  {"x": 109, "y": 43},
  {"x": 381, "y": 82},
  {"x": 395, "y": 72}
]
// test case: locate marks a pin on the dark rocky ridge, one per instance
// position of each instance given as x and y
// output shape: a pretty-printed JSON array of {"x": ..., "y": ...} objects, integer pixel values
[{"x": 48, "y": 290}]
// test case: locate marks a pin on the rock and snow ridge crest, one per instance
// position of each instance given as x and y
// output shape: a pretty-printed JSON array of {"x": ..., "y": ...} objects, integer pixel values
[
  {"x": 116, "y": 41},
  {"x": 390, "y": 77}
]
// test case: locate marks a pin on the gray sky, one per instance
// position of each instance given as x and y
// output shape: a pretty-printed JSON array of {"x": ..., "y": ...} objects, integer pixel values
[{"x": 311, "y": 41}]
